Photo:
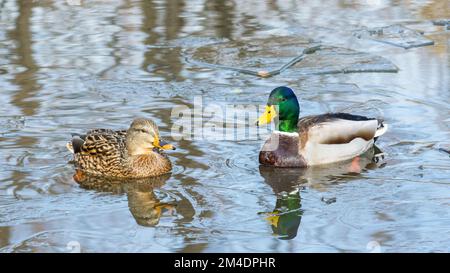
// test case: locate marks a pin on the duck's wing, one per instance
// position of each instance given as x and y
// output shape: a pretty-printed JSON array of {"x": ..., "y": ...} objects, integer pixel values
[
  {"x": 339, "y": 128},
  {"x": 99, "y": 152},
  {"x": 98, "y": 141},
  {"x": 337, "y": 136}
]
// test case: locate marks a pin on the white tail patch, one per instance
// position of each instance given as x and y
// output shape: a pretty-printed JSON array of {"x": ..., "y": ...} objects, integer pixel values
[{"x": 380, "y": 131}]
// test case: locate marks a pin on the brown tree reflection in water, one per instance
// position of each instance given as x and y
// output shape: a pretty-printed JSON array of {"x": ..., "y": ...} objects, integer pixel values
[
  {"x": 26, "y": 80},
  {"x": 223, "y": 12},
  {"x": 164, "y": 61}
]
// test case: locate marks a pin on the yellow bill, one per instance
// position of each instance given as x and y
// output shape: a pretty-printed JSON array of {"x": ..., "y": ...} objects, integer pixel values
[
  {"x": 268, "y": 116},
  {"x": 162, "y": 144},
  {"x": 273, "y": 220}
]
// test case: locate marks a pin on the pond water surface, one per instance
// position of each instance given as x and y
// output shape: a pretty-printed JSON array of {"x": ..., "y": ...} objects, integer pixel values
[{"x": 68, "y": 66}]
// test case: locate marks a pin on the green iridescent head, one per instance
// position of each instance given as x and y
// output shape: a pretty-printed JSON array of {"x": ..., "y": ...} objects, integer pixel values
[{"x": 282, "y": 107}]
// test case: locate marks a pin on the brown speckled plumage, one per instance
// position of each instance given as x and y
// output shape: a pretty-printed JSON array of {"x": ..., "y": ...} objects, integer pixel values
[{"x": 110, "y": 153}]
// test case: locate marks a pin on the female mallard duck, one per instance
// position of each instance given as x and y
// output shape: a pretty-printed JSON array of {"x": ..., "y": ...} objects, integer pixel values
[
  {"x": 313, "y": 140},
  {"x": 133, "y": 153}
]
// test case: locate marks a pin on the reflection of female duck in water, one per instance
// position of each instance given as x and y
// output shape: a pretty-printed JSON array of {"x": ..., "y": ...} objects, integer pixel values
[
  {"x": 144, "y": 205},
  {"x": 286, "y": 216}
]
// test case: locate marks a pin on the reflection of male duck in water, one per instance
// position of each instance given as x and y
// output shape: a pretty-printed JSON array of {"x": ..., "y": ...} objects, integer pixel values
[
  {"x": 286, "y": 217},
  {"x": 142, "y": 201},
  {"x": 287, "y": 214}
]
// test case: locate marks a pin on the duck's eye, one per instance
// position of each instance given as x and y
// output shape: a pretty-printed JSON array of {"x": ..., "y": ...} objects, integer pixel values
[{"x": 142, "y": 131}]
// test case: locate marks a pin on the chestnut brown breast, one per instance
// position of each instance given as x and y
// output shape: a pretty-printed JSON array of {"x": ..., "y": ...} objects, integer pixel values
[{"x": 281, "y": 150}]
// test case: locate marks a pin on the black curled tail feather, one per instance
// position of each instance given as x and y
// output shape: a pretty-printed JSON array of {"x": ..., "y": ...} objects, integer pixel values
[{"x": 381, "y": 129}]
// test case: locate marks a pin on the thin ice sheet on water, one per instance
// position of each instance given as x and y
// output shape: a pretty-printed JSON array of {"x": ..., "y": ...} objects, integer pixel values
[
  {"x": 441, "y": 22},
  {"x": 334, "y": 60},
  {"x": 271, "y": 54},
  {"x": 396, "y": 35}
]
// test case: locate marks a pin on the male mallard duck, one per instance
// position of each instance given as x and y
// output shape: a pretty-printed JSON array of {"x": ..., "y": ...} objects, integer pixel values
[
  {"x": 133, "y": 153},
  {"x": 313, "y": 140}
]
